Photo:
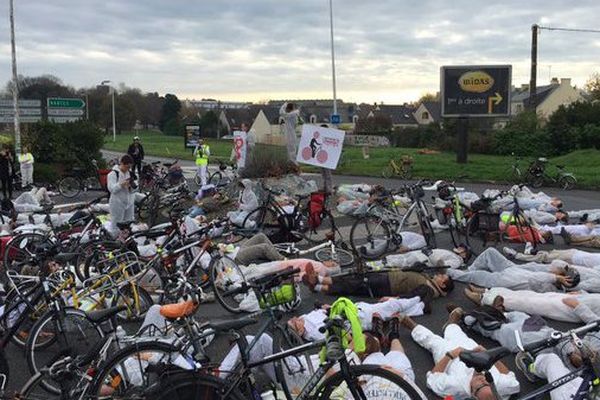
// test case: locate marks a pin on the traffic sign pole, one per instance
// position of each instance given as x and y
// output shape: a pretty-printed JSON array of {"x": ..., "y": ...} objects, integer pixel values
[
  {"x": 462, "y": 140},
  {"x": 15, "y": 88}
]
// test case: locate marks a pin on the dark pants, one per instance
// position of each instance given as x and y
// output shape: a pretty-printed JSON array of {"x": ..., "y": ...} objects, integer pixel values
[
  {"x": 137, "y": 165},
  {"x": 355, "y": 285},
  {"x": 7, "y": 185}
]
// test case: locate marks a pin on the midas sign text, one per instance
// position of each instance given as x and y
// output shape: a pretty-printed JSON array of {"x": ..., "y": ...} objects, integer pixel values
[{"x": 476, "y": 82}]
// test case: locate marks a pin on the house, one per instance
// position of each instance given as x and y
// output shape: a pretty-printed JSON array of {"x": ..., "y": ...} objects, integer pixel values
[
  {"x": 548, "y": 98},
  {"x": 401, "y": 116},
  {"x": 428, "y": 112}
]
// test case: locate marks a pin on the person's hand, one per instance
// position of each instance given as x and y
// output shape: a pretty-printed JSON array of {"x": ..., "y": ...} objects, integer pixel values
[
  {"x": 570, "y": 302},
  {"x": 563, "y": 280},
  {"x": 456, "y": 352},
  {"x": 479, "y": 349}
]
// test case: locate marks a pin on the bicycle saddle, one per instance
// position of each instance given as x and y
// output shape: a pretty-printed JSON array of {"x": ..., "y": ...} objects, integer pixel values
[
  {"x": 233, "y": 324},
  {"x": 124, "y": 225},
  {"x": 483, "y": 360},
  {"x": 168, "y": 164},
  {"x": 178, "y": 310},
  {"x": 65, "y": 257},
  {"x": 101, "y": 316}
]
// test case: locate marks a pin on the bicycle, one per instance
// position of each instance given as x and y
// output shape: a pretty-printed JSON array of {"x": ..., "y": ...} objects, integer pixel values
[
  {"x": 590, "y": 371},
  {"x": 78, "y": 181},
  {"x": 514, "y": 171},
  {"x": 402, "y": 169},
  {"x": 537, "y": 175},
  {"x": 222, "y": 177},
  {"x": 326, "y": 251},
  {"x": 309, "y": 381},
  {"x": 381, "y": 227}
]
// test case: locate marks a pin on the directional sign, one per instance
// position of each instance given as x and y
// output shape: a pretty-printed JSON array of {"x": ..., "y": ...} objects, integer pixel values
[
  {"x": 29, "y": 111},
  {"x": 57, "y": 102},
  {"x": 9, "y": 119},
  {"x": 22, "y": 111},
  {"x": 336, "y": 118},
  {"x": 476, "y": 90},
  {"x": 62, "y": 119},
  {"x": 22, "y": 103},
  {"x": 65, "y": 112}
]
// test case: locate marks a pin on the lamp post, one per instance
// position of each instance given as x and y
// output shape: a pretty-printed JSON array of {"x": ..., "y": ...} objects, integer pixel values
[
  {"x": 332, "y": 57},
  {"x": 15, "y": 89},
  {"x": 114, "y": 123}
]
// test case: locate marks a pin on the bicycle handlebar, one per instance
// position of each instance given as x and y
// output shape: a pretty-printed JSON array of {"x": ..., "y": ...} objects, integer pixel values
[{"x": 557, "y": 336}]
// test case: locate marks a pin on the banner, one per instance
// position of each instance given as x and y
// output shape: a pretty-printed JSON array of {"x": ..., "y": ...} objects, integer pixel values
[
  {"x": 240, "y": 148},
  {"x": 192, "y": 135},
  {"x": 320, "y": 146}
]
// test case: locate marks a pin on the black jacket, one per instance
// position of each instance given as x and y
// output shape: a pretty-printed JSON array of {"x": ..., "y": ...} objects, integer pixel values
[
  {"x": 131, "y": 152},
  {"x": 6, "y": 167}
]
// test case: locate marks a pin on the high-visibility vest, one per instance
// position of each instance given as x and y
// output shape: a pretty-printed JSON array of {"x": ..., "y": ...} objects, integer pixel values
[
  {"x": 202, "y": 155},
  {"x": 27, "y": 157}
]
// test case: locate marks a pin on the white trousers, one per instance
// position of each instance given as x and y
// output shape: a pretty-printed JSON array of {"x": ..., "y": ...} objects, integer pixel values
[
  {"x": 26, "y": 175},
  {"x": 393, "y": 359},
  {"x": 412, "y": 307},
  {"x": 550, "y": 367},
  {"x": 202, "y": 169}
]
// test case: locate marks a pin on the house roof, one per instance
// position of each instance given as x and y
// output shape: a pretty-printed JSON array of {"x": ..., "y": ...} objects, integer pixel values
[
  {"x": 435, "y": 109},
  {"x": 542, "y": 93},
  {"x": 271, "y": 112},
  {"x": 238, "y": 116},
  {"x": 322, "y": 109},
  {"x": 398, "y": 114}
]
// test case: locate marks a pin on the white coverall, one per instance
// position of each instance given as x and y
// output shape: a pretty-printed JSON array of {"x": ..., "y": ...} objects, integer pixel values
[
  {"x": 571, "y": 256},
  {"x": 26, "y": 164},
  {"x": 248, "y": 202},
  {"x": 121, "y": 200},
  {"x": 290, "y": 120}
]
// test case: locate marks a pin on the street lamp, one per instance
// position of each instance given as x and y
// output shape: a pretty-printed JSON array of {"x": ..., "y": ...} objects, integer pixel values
[
  {"x": 332, "y": 57},
  {"x": 15, "y": 88},
  {"x": 114, "y": 123}
]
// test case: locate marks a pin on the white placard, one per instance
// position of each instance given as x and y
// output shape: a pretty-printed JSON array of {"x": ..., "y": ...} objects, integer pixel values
[
  {"x": 240, "y": 147},
  {"x": 320, "y": 146}
]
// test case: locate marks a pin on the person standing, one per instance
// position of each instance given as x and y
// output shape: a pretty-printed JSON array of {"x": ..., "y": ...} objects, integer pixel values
[
  {"x": 6, "y": 172},
  {"x": 202, "y": 152},
  {"x": 136, "y": 151},
  {"x": 121, "y": 202},
  {"x": 290, "y": 113},
  {"x": 26, "y": 164}
]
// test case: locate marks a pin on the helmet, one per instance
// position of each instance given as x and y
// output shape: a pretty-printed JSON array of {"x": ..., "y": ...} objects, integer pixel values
[
  {"x": 574, "y": 275},
  {"x": 444, "y": 191},
  {"x": 294, "y": 304},
  {"x": 136, "y": 138}
]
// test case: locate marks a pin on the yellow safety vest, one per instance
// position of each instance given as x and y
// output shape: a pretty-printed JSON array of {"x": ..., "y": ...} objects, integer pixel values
[
  {"x": 202, "y": 156},
  {"x": 25, "y": 157}
]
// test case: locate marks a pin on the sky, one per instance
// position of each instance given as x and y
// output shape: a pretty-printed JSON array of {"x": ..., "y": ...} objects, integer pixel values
[{"x": 253, "y": 50}]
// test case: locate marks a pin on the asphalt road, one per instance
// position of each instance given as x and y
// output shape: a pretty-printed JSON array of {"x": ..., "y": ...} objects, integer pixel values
[{"x": 420, "y": 358}]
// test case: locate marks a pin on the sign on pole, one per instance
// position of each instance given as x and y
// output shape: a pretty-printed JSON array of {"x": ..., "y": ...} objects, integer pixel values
[
  {"x": 240, "y": 148},
  {"x": 30, "y": 111},
  {"x": 192, "y": 135},
  {"x": 320, "y": 146},
  {"x": 476, "y": 90},
  {"x": 336, "y": 119},
  {"x": 63, "y": 110}
]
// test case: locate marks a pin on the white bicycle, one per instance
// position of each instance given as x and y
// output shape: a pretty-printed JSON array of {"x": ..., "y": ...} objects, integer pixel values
[{"x": 326, "y": 251}]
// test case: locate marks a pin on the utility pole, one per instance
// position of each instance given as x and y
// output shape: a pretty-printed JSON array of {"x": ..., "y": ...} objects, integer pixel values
[
  {"x": 533, "y": 81},
  {"x": 332, "y": 57},
  {"x": 17, "y": 117}
]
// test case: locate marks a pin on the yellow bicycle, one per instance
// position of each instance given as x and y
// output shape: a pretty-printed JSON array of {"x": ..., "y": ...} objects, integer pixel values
[{"x": 402, "y": 168}]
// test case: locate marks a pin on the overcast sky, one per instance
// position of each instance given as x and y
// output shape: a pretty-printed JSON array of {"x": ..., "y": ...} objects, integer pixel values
[{"x": 387, "y": 50}]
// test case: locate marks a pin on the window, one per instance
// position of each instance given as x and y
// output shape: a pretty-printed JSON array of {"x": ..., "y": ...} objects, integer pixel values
[
  {"x": 425, "y": 115},
  {"x": 313, "y": 119}
]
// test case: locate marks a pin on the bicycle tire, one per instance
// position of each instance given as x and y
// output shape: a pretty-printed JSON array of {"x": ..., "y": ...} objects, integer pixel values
[
  {"x": 34, "y": 389},
  {"x": 476, "y": 240},
  {"x": 457, "y": 234},
  {"x": 343, "y": 257},
  {"x": 4, "y": 367},
  {"x": 223, "y": 279},
  {"x": 293, "y": 372},
  {"x": 194, "y": 385},
  {"x": 387, "y": 172},
  {"x": 536, "y": 181},
  {"x": 567, "y": 182},
  {"x": 376, "y": 242},
  {"x": 91, "y": 184},
  {"x": 117, "y": 371},
  {"x": 140, "y": 310},
  {"x": 215, "y": 178},
  {"x": 12, "y": 294},
  {"x": 85, "y": 250},
  {"x": 70, "y": 186},
  {"x": 317, "y": 234},
  {"x": 333, "y": 385},
  {"x": 262, "y": 219},
  {"x": 22, "y": 247},
  {"x": 74, "y": 322},
  {"x": 427, "y": 231},
  {"x": 406, "y": 172}
]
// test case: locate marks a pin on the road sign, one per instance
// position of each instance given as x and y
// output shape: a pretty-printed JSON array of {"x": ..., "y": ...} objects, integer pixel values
[
  {"x": 192, "y": 135},
  {"x": 22, "y": 103},
  {"x": 62, "y": 119},
  {"x": 9, "y": 119},
  {"x": 476, "y": 90},
  {"x": 22, "y": 111},
  {"x": 66, "y": 112},
  {"x": 58, "y": 102},
  {"x": 336, "y": 118}
]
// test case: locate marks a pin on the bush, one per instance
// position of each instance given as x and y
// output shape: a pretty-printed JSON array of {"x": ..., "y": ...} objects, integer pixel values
[
  {"x": 268, "y": 161},
  {"x": 589, "y": 137},
  {"x": 523, "y": 136},
  {"x": 47, "y": 173}
]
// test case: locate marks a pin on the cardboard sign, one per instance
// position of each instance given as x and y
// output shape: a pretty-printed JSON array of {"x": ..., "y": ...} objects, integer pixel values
[
  {"x": 192, "y": 135},
  {"x": 320, "y": 146},
  {"x": 240, "y": 147}
]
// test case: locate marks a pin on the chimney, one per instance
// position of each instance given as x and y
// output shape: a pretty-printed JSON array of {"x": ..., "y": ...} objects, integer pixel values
[
  {"x": 565, "y": 81},
  {"x": 554, "y": 81},
  {"x": 525, "y": 86}
]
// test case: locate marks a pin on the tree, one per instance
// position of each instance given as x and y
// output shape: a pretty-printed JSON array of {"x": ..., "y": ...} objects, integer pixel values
[
  {"x": 152, "y": 109},
  {"x": 170, "y": 110},
  {"x": 427, "y": 97},
  {"x": 592, "y": 86},
  {"x": 378, "y": 124},
  {"x": 209, "y": 124}
]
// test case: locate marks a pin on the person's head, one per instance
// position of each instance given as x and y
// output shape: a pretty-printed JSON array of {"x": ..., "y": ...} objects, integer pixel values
[
  {"x": 25, "y": 150},
  {"x": 136, "y": 139},
  {"x": 444, "y": 282},
  {"x": 297, "y": 324},
  {"x": 480, "y": 388},
  {"x": 290, "y": 107},
  {"x": 547, "y": 236},
  {"x": 245, "y": 127},
  {"x": 561, "y": 216},
  {"x": 125, "y": 163},
  {"x": 463, "y": 251},
  {"x": 556, "y": 202},
  {"x": 200, "y": 140}
]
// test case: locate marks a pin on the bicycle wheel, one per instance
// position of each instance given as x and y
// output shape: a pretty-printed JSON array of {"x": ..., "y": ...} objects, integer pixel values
[
  {"x": 8, "y": 319},
  {"x": 136, "y": 369},
  {"x": 458, "y": 232},
  {"x": 91, "y": 184},
  {"x": 137, "y": 306},
  {"x": 227, "y": 278},
  {"x": 263, "y": 219},
  {"x": 387, "y": 172},
  {"x": 343, "y": 257},
  {"x": 567, "y": 182},
  {"x": 22, "y": 248},
  {"x": 34, "y": 388},
  {"x": 193, "y": 385},
  {"x": 427, "y": 230},
  {"x": 4, "y": 368},
  {"x": 369, "y": 382},
  {"x": 58, "y": 334},
  {"x": 370, "y": 236},
  {"x": 215, "y": 178},
  {"x": 536, "y": 180},
  {"x": 478, "y": 239},
  {"x": 69, "y": 186}
]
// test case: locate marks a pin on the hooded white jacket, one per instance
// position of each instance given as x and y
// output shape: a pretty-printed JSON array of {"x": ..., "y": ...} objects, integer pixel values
[{"x": 120, "y": 196}]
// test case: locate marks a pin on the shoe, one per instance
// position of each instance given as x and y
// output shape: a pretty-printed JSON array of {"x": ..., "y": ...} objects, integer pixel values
[
  {"x": 377, "y": 329},
  {"x": 394, "y": 328},
  {"x": 565, "y": 235},
  {"x": 510, "y": 252},
  {"x": 455, "y": 317},
  {"x": 473, "y": 296},
  {"x": 525, "y": 363},
  {"x": 451, "y": 307},
  {"x": 476, "y": 289},
  {"x": 584, "y": 218},
  {"x": 528, "y": 248}
]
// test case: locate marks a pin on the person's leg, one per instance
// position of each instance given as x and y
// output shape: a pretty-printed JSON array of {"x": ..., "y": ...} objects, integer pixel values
[
  {"x": 393, "y": 306},
  {"x": 541, "y": 256},
  {"x": 491, "y": 260},
  {"x": 480, "y": 278},
  {"x": 264, "y": 251},
  {"x": 397, "y": 359},
  {"x": 129, "y": 212},
  {"x": 203, "y": 178},
  {"x": 435, "y": 344},
  {"x": 259, "y": 238},
  {"x": 550, "y": 367},
  {"x": 458, "y": 337},
  {"x": 10, "y": 187},
  {"x": 3, "y": 181},
  {"x": 586, "y": 241}
]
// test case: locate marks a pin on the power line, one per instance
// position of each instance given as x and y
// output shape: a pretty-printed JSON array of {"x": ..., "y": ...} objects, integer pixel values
[{"x": 549, "y": 28}]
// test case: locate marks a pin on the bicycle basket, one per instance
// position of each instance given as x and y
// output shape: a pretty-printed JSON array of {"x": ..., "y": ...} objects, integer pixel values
[
  {"x": 316, "y": 206},
  {"x": 488, "y": 222},
  {"x": 278, "y": 296}
]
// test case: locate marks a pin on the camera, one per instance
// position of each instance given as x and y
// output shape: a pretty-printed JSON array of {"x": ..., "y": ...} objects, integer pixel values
[{"x": 132, "y": 183}]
